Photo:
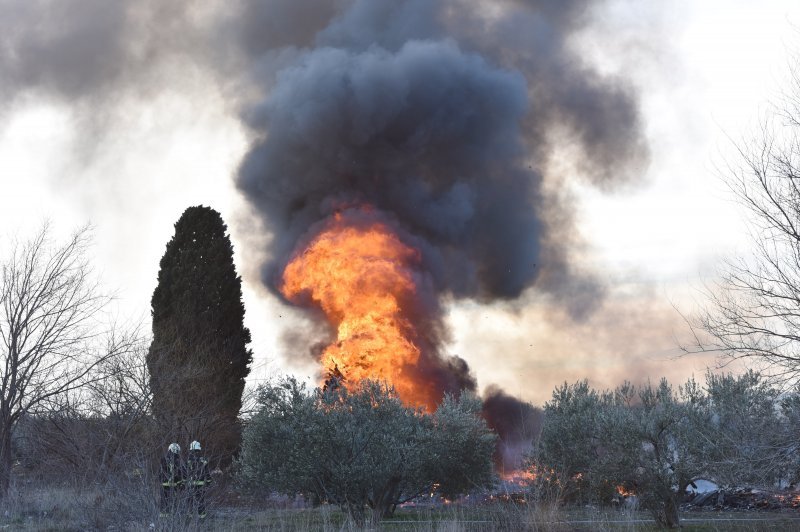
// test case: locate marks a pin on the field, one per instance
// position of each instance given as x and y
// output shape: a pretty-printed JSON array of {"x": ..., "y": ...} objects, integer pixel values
[{"x": 55, "y": 509}]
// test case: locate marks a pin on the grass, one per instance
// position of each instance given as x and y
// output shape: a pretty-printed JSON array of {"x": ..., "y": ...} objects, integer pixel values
[
  {"x": 135, "y": 508},
  {"x": 497, "y": 517}
]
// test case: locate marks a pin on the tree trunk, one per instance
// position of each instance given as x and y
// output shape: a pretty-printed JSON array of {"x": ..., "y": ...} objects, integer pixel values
[
  {"x": 385, "y": 503},
  {"x": 667, "y": 516},
  {"x": 6, "y": 462},
  {"x": 356, "y": 512}
]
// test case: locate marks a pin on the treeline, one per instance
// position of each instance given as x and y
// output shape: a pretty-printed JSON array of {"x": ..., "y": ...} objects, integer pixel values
[
  {"x": 655, "y": 440},
  {"x": 88, "y": 409}
]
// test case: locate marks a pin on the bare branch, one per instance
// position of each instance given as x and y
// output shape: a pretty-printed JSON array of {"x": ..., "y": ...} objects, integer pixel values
[
  {"x": 50, "y": 309},
  {"x": 752, "y": 313}
]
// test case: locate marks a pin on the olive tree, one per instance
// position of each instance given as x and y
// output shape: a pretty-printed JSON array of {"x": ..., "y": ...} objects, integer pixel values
[
  {"x": 790, "y": 442},
  {"x": 655, "y": 441},
  {"x": 594, "y": 442},
  {"x": 652, "y": 433},
  {"x": 743, "y": 431},
  {"x": 363, "y": 449},
  {"x": 570, "y": 442}
]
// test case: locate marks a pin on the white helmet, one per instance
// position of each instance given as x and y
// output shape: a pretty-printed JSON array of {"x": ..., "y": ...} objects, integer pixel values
[
  {"x": 174, "y": 448},
  {"x": 194, "y": 446}
]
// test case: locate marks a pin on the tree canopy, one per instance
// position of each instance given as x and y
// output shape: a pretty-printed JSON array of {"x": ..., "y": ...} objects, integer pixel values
[
  {"x": 654, "y": 441},
  {"x": 364, "y": 449}
]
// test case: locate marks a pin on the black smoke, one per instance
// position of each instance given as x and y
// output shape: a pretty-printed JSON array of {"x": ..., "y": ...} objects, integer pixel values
[
  {"x": 445, "y": 118},
  {"x": 516, "y": 422},
  {"x": 428, "y": 133}
]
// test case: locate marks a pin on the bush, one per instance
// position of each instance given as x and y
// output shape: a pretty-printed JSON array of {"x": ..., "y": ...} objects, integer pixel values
[{"x": 363, "y": 449}]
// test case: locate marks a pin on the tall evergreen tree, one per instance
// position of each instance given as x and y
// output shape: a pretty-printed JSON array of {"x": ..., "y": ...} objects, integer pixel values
[{"x": 199, "y": 359}]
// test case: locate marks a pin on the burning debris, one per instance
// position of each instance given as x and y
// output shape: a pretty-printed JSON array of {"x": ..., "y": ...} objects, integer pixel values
[
  {"x": 624, "y": 492},
  {"x": 334, "y": 380}
]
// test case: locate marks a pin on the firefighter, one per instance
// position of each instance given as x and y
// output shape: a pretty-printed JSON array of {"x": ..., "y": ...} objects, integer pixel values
[
  {"x": 171, "y": 479},
  {"x": 198, "y": 478}
]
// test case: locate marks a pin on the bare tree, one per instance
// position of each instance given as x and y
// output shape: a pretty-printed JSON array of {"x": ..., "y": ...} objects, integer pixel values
[
  {"x": 49, "y": 329},
  {"x": 753, "y": 311},
  {"x": 121, "y": 397},
  {"x": 96, "y": 432}
]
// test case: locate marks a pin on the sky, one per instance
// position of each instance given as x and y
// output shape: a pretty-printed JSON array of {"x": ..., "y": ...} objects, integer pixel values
[{"x": 130, "y": 148}]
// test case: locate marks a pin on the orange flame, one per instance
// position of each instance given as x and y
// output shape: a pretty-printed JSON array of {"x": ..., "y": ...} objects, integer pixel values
[
  {"x": 361, "y": 276},
  {"x": 520, "y": 477},
  {"x": 624, "y": 492}
]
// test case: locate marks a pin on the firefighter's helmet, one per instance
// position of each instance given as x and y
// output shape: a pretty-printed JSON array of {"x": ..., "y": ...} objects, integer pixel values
[
  {"x": 174, "y": 448},
  {"x": 194, "y": 446}
]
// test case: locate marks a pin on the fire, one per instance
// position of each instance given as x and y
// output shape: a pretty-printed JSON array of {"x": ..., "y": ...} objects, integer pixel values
[
  {"x": 531, "y": 475},
  {"x": 361, "y": 275},
  {"x": 624, "y": 492},
  {"x": 520, "y": 476}
]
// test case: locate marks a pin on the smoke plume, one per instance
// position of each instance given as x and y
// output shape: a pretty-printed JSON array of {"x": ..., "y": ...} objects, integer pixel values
[
  {"x": 517, "y": 423},
  {"x": 445, "y": 117},
  {"x": 446, "y": 120}
]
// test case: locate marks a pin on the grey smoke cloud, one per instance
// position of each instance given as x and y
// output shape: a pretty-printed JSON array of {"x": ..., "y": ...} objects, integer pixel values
[
  {"x": 95, "y": 54},
  {"x": 517, "y": 423},
  {"x": 56, "y": 47},
  {"x": 265, "y": 26}
]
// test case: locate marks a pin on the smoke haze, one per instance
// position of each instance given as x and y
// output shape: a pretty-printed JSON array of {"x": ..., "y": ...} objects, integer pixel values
[{"x": 462, "y": 122}]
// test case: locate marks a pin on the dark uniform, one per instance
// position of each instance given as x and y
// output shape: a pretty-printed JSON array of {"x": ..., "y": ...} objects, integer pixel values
[
  {"x": 198, "y": 478},
  {"x": 171, "y": 476}
]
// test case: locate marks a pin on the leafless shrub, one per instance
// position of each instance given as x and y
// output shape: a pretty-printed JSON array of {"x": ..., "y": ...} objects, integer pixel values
[{"x": 93, "y": 432}]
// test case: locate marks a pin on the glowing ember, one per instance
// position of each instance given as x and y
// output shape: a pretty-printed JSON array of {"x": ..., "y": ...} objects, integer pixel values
[
  {"x": 520, "y": 477},
  {"x": 624, "y": 492},
  {"x": 362, "y": 277},
  {"x": 531, "y": 475}
]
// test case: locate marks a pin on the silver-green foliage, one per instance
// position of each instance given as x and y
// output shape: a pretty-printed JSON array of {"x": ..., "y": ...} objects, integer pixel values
[
  {"x": 654, "y": 440},
  {"x": 363, "y": 449},
  {"x": 594, "y": 441},
  {"x": 741, "y": 436}
]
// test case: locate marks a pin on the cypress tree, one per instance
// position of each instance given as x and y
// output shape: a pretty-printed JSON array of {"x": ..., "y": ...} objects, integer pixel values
[{"x": 198, "y": 359}]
